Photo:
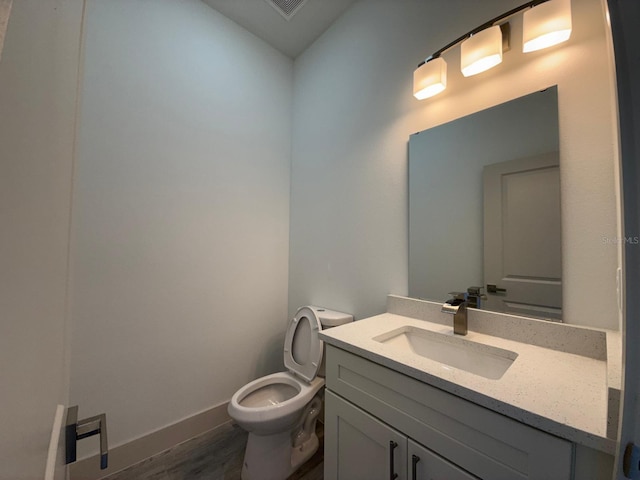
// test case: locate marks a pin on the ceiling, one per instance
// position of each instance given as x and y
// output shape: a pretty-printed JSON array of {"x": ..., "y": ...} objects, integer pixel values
[{"x": 291, "y": 36}]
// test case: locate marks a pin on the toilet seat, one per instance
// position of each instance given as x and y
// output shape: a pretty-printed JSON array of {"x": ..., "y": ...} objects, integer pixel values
[{"x": 303, "y": 348}]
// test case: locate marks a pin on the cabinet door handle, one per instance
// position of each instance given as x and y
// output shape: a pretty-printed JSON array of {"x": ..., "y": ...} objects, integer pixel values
[
  {"x": 392, "y": 474},
  {"x": 414, "y": 471}
]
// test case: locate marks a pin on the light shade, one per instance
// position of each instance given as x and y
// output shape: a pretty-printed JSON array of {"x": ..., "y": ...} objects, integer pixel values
[
  {"x": 430, "y": 78},
  {"x": 546, "y": 24},
  {"x": 481, "y": 51}
]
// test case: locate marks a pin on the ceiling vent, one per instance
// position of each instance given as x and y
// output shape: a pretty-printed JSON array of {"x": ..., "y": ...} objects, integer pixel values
[{"x": 287, "y": 8}]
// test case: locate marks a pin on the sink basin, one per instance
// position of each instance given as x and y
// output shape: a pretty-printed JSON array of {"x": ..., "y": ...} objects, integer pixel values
[{"x": 452, "y": 352}]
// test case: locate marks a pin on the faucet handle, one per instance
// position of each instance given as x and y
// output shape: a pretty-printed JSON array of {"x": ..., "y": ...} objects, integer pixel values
[
  {"x": 458, "y": 295},
  {"x": 475, "y": 296},
  {"x": 477, "y": 291}
]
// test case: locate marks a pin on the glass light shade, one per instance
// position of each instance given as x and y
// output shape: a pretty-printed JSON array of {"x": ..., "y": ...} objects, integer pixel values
[
  {"x": 481, "y": 51},
  {"x": 430, "y": 78},
  {"x": 546, "y": 25}
]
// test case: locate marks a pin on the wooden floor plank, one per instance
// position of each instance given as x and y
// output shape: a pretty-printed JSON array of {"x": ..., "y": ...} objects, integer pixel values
[{"x": 215, "y": 455}]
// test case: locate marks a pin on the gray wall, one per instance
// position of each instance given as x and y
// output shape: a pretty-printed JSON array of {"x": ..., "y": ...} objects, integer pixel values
[
  {"x": 353, "y": 114},
  {"x": 180, "y": 213}
]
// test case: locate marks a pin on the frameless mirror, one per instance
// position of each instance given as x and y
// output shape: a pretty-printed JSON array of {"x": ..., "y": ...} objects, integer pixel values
[{"x": 484, "y": 208}]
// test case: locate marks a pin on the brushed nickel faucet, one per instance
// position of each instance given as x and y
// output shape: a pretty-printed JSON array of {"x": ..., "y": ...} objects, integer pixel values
[{"x": 457, "y": 306}]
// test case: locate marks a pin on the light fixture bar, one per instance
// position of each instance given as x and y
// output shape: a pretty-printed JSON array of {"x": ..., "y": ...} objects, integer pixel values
[
  {"x": 545, "y": 23},
  {"x": 484, "y": 26}
]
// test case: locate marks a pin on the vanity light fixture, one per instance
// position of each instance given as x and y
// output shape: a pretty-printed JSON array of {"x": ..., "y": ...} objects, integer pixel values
[
  {"x": 481, "y": 51},
  {"x": 545, "y": 23},
  {"x": 430, "y": 78}
]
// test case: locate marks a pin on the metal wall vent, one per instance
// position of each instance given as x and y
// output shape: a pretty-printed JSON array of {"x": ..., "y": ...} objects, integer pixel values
[{"x": 287, "y": 8}]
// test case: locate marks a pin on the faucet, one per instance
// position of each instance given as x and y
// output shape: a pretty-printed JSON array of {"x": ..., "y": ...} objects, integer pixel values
[{"x": 457, "y": 306}]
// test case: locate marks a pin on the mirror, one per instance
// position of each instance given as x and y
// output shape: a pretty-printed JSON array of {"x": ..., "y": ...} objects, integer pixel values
[{"x": 484, "y": 207}]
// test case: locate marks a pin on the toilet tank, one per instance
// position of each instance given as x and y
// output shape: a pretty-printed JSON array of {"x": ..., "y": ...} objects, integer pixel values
[{"x": 329, "y": 319}]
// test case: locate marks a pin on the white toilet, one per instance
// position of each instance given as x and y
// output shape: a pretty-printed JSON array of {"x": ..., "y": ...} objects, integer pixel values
[{"x": 280, "y": 410}]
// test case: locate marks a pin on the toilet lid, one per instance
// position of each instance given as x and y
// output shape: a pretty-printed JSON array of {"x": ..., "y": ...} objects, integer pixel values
[{"x": 302, "y": 346}]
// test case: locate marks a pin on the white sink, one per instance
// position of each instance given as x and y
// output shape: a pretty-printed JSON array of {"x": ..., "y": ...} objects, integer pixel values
[{"x": 452, "y": 352}]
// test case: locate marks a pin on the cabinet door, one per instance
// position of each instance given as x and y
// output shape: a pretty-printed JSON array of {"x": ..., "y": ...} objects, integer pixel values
[
  {"x": 359, "y": 446},
  {"x": 426, "y": 465}
]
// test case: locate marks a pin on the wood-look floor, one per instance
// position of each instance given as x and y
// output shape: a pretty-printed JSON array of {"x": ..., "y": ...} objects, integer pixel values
[{"x": 215, "y": 455}]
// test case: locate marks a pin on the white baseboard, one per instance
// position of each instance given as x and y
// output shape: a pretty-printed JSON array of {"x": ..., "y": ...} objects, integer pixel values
[{"x": 129, "y": 454}]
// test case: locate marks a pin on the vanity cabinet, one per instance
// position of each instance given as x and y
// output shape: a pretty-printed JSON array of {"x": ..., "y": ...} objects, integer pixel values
[
  {"x": 369, "y": 406},
  {"x": 363, "y": 447}
]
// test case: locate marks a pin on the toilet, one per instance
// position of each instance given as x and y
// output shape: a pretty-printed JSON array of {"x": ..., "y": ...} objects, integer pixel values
[{"x": 280, "y": 410}]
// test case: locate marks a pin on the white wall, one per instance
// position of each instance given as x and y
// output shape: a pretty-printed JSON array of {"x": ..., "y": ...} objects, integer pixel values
[
  {"x": 180, "y": 214},
  {"x": 38, "y": 78},
  {"x": 354, "y": 112}
]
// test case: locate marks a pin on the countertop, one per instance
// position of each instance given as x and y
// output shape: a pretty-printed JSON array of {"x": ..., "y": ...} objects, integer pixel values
[{"x": 560, "y": 383}]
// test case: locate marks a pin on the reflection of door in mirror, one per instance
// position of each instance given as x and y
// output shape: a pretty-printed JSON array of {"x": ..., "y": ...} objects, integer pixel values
[{"x": 522, "y": 236}]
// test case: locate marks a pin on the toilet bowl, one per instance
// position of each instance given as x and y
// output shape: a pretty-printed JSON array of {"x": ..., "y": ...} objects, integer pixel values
[
  {"x": 280, "y": 410},
  {"x": 272, "y": 403}
]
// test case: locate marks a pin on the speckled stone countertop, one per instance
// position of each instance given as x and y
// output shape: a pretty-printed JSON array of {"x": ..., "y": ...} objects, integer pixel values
[{"x": 560, "y": 382}]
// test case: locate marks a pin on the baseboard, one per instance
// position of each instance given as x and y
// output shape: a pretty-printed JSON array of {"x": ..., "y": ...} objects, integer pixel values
[{"x": 129, "y": 454}]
